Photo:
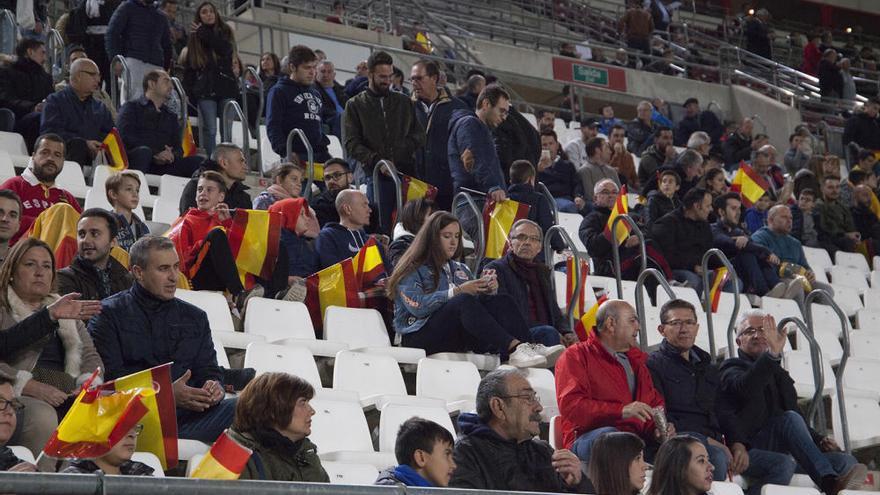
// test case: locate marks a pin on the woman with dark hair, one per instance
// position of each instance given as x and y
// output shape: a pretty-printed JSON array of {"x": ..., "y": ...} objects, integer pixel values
[
  {"x": 270, "y": 70},
  {"x": 715, "y": 182},
  {"x": 440, "y": 307},
  {"x": 559, "y": 174},
  {"x": 682, "y": 467},
  {"x": 412, "y": 216},
  {"x": 286, "y": 183},
  {"x": 617, "y": 464},
  {"x": 208, "y": 73},
  {"x": 273, "y": 418}
]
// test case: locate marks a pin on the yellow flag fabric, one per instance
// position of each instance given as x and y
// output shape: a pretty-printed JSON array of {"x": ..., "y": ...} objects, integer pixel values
[
  {"x": 56, "y": 226},
  {"x": 585, "y": 325},
  {"x": 621, "y": 207},
  {"x": 188, "y": 143},
  {"x": 749, "y": 185},
  {"x": 498, "y": 218},
  {"x": 254, "y": 238},
  {"x": 225, "y": 461},
  {"x": 116, "y": 156}
]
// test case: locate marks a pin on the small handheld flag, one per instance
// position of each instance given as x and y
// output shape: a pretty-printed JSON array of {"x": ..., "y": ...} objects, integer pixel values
[
  {"x": 115, "y": 151},
  {"x": 225, "y": 461},
  {"x": 749, "y": 185}
]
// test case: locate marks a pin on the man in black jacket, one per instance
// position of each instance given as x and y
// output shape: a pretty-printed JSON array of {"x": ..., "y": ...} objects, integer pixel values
[
  {"x": 522, "y": 276},
  {"x": 689, "y": 380},
  {"x": 94, "y": 273},
  {"x": 863, "y": 128},
  {"x": 760, "y": 404},
  {"x": 24, "y": 85},
  {"x": 684, "y": 235},
  {"x": 592, "y": 234},
  {"x": 516, "y": 139},
  {"x": 498, "y": 448},
  {"x": 738, "y": 147},
  {"x": 227, "y": 160}
]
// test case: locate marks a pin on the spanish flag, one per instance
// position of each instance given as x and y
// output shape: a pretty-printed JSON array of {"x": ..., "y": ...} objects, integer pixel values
[
  {"x": 413, "y": 188},
  {"x": 720, "y": 278},
  {"x": 188, "y": 143},
  {"x": 749, "y": 185},
  {"x": 335, "y": 285},
  {"x": 621, "y": 207},
  {"x": 368, "y": 265},
  {"x": 570, "y": 283},
  {"x": 115, "y": 151},
  {"x": 56, "y": 226},
  {"x": 587, "y": 322},
  {"x": 498, "y": 219},
  {"x": 98, "y": 420},
  {"x": 254, "y": 238},
  {"x": 225, "y": 461}
]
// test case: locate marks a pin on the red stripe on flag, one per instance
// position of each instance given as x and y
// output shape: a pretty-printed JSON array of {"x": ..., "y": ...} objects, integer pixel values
[
  {"x": 235, "y": 233},
  {"x": 273, "y": 245}
]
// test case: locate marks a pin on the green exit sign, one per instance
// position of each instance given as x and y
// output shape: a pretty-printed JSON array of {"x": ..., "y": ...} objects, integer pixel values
[{"x": 590, "y": 75}]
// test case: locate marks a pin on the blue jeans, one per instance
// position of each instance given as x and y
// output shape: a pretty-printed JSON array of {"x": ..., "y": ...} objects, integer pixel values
[
  {"x": 386, "y": 202},
  {"x": 141, "y": 158},
  {"x": 764, "y": 467},
  {"x": 758, "y": 275},
  {"x": 788, "y": 433},
  {"x": 208, "y": 112},
  {"x": 583, "y": 445},
  {"x": 545, "y": 334},
  {"x": 566, "y": 205},
  {"x": 696, "y": 281},
  {"x": 206, "y": 426}
]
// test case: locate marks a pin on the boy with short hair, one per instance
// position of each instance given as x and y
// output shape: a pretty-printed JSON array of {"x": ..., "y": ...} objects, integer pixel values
[
  {"x": 522, "y": 189},
  {"x": 123, "y": 193},
  {"x": 663, "y": 199},
  {"x": 424, "y": 453},
  {"x": 756, "y": 216},
  {"x": 803, "y": 226}
]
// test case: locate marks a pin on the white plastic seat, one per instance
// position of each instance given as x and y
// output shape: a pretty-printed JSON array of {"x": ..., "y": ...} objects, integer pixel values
[
  {"x": 267, "y": 358},
  {"x": 171, "y": 186},
  {"x": 13, "y": 143},
  {"x": 222, "y": 357},
  {"x": 454, "y": 382},
  {"x": 818, "y": 258},
  {"x": 7, "y": 168},
  {"x": 861, "y": 374},
  {"x": 165, "y": 210},
  {"x": 531, "y": 118},
  {"x": 725, "y": 303},
  {"x": 393, "y": 415},
  {"x": 862, "y": 411},
  {"x": 848, "y": 299},
  {"x": 376, "y": 378},
  {"x": 72, "y": 179},
  {"x": 865, "y": 343},
  {"x": 825, "y": 320},
  {"x": 780, "y": 308},
  {"x": 629, "y": 293},
  {"x": 799, "y": 366},
  {"x": 725, "y": 488},
  {"x": 151, "y": 460},
  {"x": 483, "y": 362},
  {"x": 270, "y": 158},
  {"x": 192, "y": 463},
  {"x": 571, "y": 222},
  {"x": 871, "y": 295},
  {"x": 852, "y": 260},
  {"x": 846, "y": 276},
  {"x": 868, "y": 320},
  {"x": 363, "y": 330},
  {"x": 544, "y": 384},
  {"x": 219, "y": 317},
  {"x": 188, "y": 449},
  {"x": 561, "y": 280},
  {"x": 686, "y": 293},
  {"x": 339, "y": 429},
  {"x": 787, "y": 490},
  {"x": 98, "y": 199},
  {"x": 335, "y": 147},
  {"x": 287, "y": 323},
  {"x": 349, "y": 473},
  {"x": 21, "y": 451}
]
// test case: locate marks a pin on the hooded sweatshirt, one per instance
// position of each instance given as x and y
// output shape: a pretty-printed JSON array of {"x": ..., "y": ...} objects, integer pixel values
[
  {"x": 293, "y": 105},
  {"x": 336, "y": 243},
  {"x": 302, "y": 260}
]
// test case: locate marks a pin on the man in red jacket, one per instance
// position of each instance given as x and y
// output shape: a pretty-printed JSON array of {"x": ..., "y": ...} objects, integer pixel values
[{"x": 604, "y": 384}]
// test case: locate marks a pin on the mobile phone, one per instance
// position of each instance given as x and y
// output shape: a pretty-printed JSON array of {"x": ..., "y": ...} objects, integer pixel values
[{"x": 545, "y": 154}]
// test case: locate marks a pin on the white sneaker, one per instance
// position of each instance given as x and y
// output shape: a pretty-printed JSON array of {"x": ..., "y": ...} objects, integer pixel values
[
  {"x": 551, "y": 354},
  {"x": 525, "y": 357}
]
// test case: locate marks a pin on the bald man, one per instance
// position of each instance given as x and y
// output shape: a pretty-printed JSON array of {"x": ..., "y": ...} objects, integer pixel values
[
  {"x": 72, "y": 113},
  {"x": 338, "y": 241},
  {"x": 604, "y": 384}
]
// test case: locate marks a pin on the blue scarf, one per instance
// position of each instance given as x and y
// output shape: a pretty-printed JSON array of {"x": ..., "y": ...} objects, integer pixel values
[{"x": 409, "y": 477}]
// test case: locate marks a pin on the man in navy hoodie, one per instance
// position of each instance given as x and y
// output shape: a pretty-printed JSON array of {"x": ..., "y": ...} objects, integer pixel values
[
  {"x": 294, "y": 103},
  {"x": 338, "y": 241}
]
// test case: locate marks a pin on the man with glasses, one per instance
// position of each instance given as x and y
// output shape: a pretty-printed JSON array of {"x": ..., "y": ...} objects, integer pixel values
[
  {"x": 597, "y": 166},
  {"x": 527, "y": 280},
  {"x": 603, "y": 384},
  {"x": 759, "y": 404},
  {"x": 9, "y": 406},
  {"x": 689, "y": 380},
  {"x": 74, "y": 114},
  {"x": 337, "y": 177},
  {"x": 498, "y": 448},
  {"x": 592, "y": 234}
]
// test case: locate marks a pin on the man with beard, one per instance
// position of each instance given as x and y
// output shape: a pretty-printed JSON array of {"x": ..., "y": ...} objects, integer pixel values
[
  {"x": 333, "y": 98},
  {"x": 94, "y": 273},
  {"x": 10, "y": 219},
  {"x": 36, "y": 185}
]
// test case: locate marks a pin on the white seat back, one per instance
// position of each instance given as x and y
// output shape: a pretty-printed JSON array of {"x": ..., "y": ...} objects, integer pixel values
[
  {"x": 21, "y": 451},
  {"x": 848, "y": 277},
  {"x": 165, "y": 210},
  {"x": 172, "y": 187},
  {"x": 349, "y": 473},
  {"x": 852, "y": 260},
  {"x": 393, "y": 415},
  {"x": 7, "y": 169},
  {"x": 335, "y": 147},
  {"x": 72, "y": 179},
  {"x": 151, "y": 460},
  {"x": 358, "y": 327},
  {"x": 267, "y": 358},
  {"x": 13, "y": 143},
  {"x": 212, "y": 303},
  {"x": 571, "y": 222},
  {"x": 367, "y": 374},
  {"x": 447, "y": 380},
  {"x": 277, "y": 320},
  {"x": 340, "y": 425},
  {"x": 222, "y": 357}
]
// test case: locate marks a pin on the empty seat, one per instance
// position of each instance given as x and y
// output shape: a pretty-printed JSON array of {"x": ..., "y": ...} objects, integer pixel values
[
  {"x": 544, "y": 384},
  {"x": 376, "y": 378},
  {"x": 861, "y": 374},
  {"x": 780, "y": 308},
  {"x": 363, "y": 330},
  {"x": 868, "y": 319},
  {"x": 339, "y": 429},
  {"x": 455, "y": 382},
  {"x": 335, "y": 147},
  {"x": 267, "y": 358},
  {"x": 188, "y": 449},
  {"x": 865, "y": 343},
  {"x": 862, "y": 411},
  {"x": 561, "y": 281},
  {"x": 165, "y": 210},
  {"x": 222, "y": 357},
  {"x": 13, "y": 143},
  {"x": 686, "y": 293},
  {"x": 151, "y": 460},
  {"x": 483, "y": 362},
  {"x": 171, "y": 186},
  {"x": 818, "y": 259},
  {"x": 7, "y": 169},
  {"x": 393, "y": 415},
  {"x": 852, "y": 260},
  {"x": 349, "y": 473},
  {"x": 287, "y": 323},
  {"x": 848, "y": 277},
  {"x": 826, "y": 320},
  {"x": 72, "y": 179},
  {"x": 787, "y": 490},
  {"x": 725, "y": 488},
  {"x": 219, "y": 317},
  {"x": 798, "y": 364},
  {"x": 848, "y": 299}
]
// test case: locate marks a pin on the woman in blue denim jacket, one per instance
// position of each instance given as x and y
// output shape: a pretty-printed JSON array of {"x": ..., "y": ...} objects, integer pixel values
[{"x": 441, "y": 307}]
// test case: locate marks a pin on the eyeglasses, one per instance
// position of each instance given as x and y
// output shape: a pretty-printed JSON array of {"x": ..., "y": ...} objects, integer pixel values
[
  {"x": 137, "y": 430},
  {"x": 527, "y": 238},
  {"x": 14, "y": 403},
  {"x": 681, "y": 323},
  {"x": 530, "y": 397},
  {"x": 751, "y": 331},
  {"x": 337, "y": 175}
]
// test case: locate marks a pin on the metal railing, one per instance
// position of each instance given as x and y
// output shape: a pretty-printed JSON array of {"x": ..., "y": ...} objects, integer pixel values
[
  {"x": 54, "y": 46},
  {"x": 550, "y": 199},
  {"x": 9, "y": 25},
  {"x": 707, "y": 300},
  {"x": 184, "y": 109},
  {"x": 813, "y": 409},
  {"x": 310, "y": 158},
  {"x": 615, "y": 248},
  {"x": 578, "y": 281},
  {"x": 640, "y": 300},
  {"x": 377, "y": 190},
  {"x": 838, "y": 376},
  {"x": 479, "y": 239},
  {"x": 115, "y": 92},
  {"x": 226, "y": 128},
  {"x": 244, "y": 101}
]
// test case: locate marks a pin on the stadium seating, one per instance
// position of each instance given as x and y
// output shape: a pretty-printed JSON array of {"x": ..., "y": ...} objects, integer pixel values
[
  {"x": 267, "y": 358},
  {"x": 187, "y": 449},
  {"x": 165, "y": 210},
  {"x": 7, "y": 169},
  {"x": 151, "y": 460},
  {"x": 788, "y": 490},
  {"x": 854, "y": 260},
  {"x": 219, "y": 317},
  {"x": 454, "y": 382},
  {"x": 287, "y": 323},
  {"x": 72, "y": 179},
  {"x": 725, "y": 488},
  {"x": 363, "y": 330},
  {"x": 339, "y": 429},
  {"x": 393, "y": 415},
  {"x": 376, "y": 378},
  {"x": 349, "y": 473}
]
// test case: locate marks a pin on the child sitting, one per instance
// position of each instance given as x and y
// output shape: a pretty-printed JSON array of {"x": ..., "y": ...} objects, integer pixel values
[
  {"x": 116, "y": 461},
  {"x": 424, "y": 453},
  {"x": 663, "y": 200},
  {"x": 756, "y": 216},
  {"x": 123, "y": 193}
]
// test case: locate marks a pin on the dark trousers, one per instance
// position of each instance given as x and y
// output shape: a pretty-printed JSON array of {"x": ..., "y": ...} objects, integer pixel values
[
  {"x": 217, "y": 270},
  {"x": 29, "y": 128},
  {"x": 758, "y": 275},
  {"x": 386, "y": 202},
  {"x": 141, "y": 158},
  {"x": 7, "y": 120},
  {"x": 472, "y": 323},
  {"x": 76, "y": 150}
]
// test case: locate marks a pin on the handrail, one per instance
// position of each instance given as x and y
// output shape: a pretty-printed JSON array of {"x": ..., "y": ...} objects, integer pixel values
[
  {"x": 244, "y": 100},
  {"x": 54, "y": 43},
  {"x": 548, "y": 260},
  {"x": 479, "y": 247},
  {"x": 707, "y": 300},
  {"x": 838, "y": 377},
  {"x": 640, "y": 300},
  {"x": 813, "y": 410},
  {"x": 227, "y": 127},
  {"x": 549, "y": 197},
  {"x": 310, "y": 158},
  {"x": 184, "y": 109},
  {"x": 114, "y": 81},
  {"x": 615, "y": 248},
  {"x": 392, "y": 174},
  {"x": 9, "y": 17}
]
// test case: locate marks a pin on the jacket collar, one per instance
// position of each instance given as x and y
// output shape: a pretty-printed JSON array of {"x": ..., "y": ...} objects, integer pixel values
[
  {"x": 147, "y": 299},
  {"x": 671, "y": 351},
  {"x": 634, "y": 354}
]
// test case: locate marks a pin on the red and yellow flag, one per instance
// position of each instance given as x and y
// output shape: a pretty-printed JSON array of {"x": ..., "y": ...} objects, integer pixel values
[
  {"x": 98, "y": 420},
  {"x": 254, "y": 238},
  {"x": 115, "y": 151},
  {"x": 584, "y": 267},
  {"x": 413, "y": 188},
  {"x": 225, "y": 461},
  {"x": 368, "y": 265},
  {"x": 720, "y": 278},
  {"x": 587, "y": 322},
  {"x": 188, "y": 143},
  {"x": 621, "y": 207},
  {"x": 56, "y": 226},
  {"x": 498, "y": 218},
  {"x": 749, "y": 185}
]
